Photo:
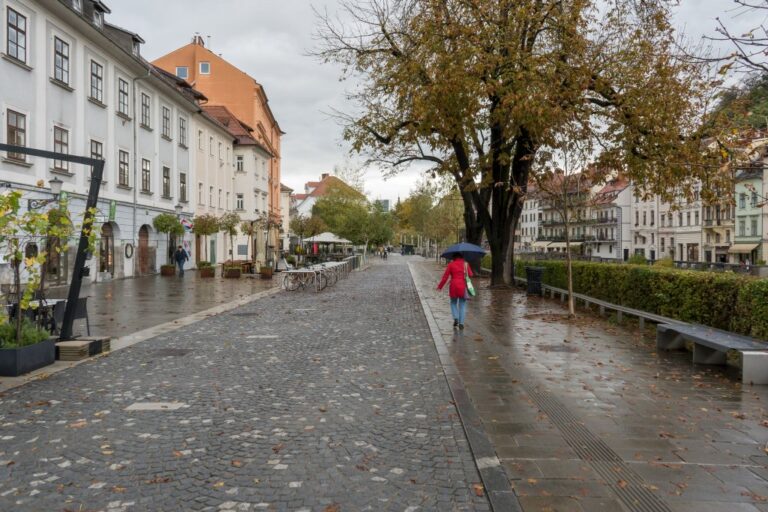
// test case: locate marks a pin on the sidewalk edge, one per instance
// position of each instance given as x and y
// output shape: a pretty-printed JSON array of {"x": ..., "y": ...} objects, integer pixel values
[
  {"x": 498, "y": 490},
  {"x": 8, "y": 383}
]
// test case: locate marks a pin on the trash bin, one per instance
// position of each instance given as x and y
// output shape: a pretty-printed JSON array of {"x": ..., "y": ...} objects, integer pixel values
[{"x": 533, "y": 275}]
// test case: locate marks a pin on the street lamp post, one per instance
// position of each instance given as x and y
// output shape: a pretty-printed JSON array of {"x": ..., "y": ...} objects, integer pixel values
[{"x": 36, "y": 204}]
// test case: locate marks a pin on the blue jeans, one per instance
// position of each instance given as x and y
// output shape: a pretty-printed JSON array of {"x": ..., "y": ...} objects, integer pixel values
[
  {"x": 459, "y": 309},
  {"x": 181, "y": 268}
]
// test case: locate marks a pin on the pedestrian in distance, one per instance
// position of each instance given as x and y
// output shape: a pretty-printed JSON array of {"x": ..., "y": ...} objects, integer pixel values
[
  {"x": 180, "y": 256},
  {"x": 457, "y": 271}
]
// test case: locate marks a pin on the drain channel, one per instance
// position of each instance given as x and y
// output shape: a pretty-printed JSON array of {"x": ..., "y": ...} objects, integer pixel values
[{"x": 628, "y": 486}]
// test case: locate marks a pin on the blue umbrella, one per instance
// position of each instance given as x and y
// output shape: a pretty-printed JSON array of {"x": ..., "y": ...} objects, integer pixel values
[{"x": 467, "y": 250}]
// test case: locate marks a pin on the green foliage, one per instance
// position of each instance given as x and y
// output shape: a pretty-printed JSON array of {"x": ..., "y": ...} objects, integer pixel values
[
  {"x": 307, "y": 227},
  {"x": 205, "y": 225},
  {"x": 746, "y": 106},
  {"x": 228, "y": 223},
  {"x": 290, "y": 259},
  {"x": 168, "y": 223},
  {"x": 666, "y": 262},
  {"x": 487, "y": 261},
  {"x": 30, "y": 334},
  {"x": 721, "y": 300},
  {"x": 204, "y": 264},
  {"x": 637, "y": 259}
]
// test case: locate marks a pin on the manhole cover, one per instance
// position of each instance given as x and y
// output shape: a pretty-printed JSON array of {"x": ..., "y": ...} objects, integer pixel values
[
  {"x": 558, "y": 348},
  {"x": 171, "y": 352}
]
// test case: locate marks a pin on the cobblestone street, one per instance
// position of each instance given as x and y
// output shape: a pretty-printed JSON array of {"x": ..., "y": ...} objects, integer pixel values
[{"x": 300, "y": 401}]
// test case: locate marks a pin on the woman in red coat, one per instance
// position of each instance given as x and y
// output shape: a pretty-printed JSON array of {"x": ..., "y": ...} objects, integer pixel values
[{"x": 457, "y": 290}]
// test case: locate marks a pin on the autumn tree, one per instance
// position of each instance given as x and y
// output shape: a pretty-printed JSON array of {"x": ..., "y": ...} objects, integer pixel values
[
  {"x": 306, "y": 227},
  {"x": 205, "y": 225},
  {"x": 342, "y": 209},
  {"x": 478, "y": 87}
]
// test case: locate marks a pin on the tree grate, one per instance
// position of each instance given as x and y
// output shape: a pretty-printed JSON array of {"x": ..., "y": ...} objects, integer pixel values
[{"x": 628, "y": 486}]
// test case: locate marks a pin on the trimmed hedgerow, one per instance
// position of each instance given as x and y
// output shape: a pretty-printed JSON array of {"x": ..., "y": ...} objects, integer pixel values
[{"x": 722, "y": 300}]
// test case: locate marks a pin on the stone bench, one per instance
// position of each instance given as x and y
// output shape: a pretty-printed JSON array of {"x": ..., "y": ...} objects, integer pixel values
[{"x": 710, "y": 346}]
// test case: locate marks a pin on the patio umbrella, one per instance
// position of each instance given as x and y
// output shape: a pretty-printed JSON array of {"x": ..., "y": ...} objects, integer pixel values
[{"x": 467, "y": 250}]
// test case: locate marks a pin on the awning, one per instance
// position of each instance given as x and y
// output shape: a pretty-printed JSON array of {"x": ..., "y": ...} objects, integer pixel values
[
  {"x": 539, "y": 245},
  {"x": 742, "y": 248},
  {"x": 561, "y": 245}
]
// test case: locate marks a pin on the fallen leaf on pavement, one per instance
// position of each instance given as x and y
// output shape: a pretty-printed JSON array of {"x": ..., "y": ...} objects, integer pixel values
[
  {"x": 278, "y": 447},
  {"x": 332, "y": 508},
  {"x": 479, "y": 489},
  {"x": 237, "y": 463}
]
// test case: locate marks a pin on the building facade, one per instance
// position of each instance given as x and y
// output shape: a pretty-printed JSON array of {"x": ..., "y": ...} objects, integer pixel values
[{"x": 74, "y": 83}]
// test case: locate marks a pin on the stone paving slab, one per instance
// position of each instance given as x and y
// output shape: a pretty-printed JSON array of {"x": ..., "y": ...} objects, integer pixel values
[
  {"x": 687, "y": 438},
  {"x": 344, "y": 407}
]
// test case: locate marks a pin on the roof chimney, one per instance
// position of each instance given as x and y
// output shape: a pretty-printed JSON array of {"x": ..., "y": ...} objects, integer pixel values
[
  {"x": 198, "y": 39},
  {"x": 324, "y": 175}
]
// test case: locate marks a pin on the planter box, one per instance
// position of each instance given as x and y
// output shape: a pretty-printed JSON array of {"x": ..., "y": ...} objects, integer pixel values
[
  {"x": 266, "y": 272},
  {"x": 232, "y": 273},
  {"x": 17, "y": 361},
  {"x": 167, "y": 270},
  {"x": 207, "y": 272}
]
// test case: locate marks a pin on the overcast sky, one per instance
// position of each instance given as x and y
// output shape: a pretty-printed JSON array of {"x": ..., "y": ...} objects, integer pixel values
[{"x": 269, "y": 40}]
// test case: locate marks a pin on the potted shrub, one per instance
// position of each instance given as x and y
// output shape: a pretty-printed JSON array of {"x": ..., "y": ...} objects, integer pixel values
[
  {"x": 34, "y": 350},
  {"x": 232, "y": 271},
  {"x": 206, "y": 269},
  {"x": 23, "y": 346},
  {"x": 266, "y": 272},
  {"x": 169, "y": 224}
]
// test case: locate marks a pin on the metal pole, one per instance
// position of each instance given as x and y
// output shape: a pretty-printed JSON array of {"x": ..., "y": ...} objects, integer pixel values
[{"x": 82, "y": 250}]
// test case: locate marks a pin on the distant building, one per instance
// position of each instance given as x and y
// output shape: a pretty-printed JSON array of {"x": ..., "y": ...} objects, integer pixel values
[
  {"x": 313, "y": 190},
  {"x": 384, "y": 204}
]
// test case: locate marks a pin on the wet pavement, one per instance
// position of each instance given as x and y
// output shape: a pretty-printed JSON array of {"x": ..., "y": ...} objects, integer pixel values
[
  {"x": 586, "y": 416},
  {"x": 124, "y": 306},
  {"x": 324, "y": 402}
]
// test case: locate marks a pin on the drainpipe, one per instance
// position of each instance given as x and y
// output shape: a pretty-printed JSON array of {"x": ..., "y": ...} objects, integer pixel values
[{"x": 136, "y": 160}]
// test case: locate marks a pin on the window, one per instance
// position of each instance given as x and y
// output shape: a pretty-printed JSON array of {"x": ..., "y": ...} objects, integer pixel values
[
  {"x": 680, "y": 219},
  {"x": 200, "y": 193},
  {"x": 653, "y": 238},
  {"x": 728, "y": 236},
  {"x": 662, "y": 244},
  {"x": 742, "y": 227},
  {"x": 753, "y": 222},
  {"x": 688, "y": 218},
  {"x": 166, "y": 181},
  {"x": 226, "y": 205},
  {"x": 60, "y": 60},
  {"x": 182, "y": 72},
  {"x": 637, "y": 218},
  {"x": 205, "y": 68},
  {"x": 122, "y": 168},
  {"x": 220, "y": 153},
  {"x": 16, "y": 46},
  {"x": 219, "y": 198},
  {"x": 98, "y": 18},
  {"x": 645, "y": 215},
  {"x": 122, "y": 96},
  {"x": 145, "y": 111},
  {"x": 200, "y": 140},
  {"x": 97, "y": 81},
  {"x": 166, "y": 122},
  {"x": 77, "y": 5},
  {"x": 653, "y": 217},
  {"x": 60, "y": 145},
  {"x": 97, "y": 150},
  {"x": 240, "y": 163},
  {"x": 754, "y": 200},
  {"x": 16, "y": 133},
  {"x": 210, "y": 145},
  {"x": 136, "y": 48},
  {"x": 742, "y": 200},
  {"x": 146, "y": 175},
  {"x": 183, "y": 131},
  {"x": 183, "y": 187},
  {"x": 210, "y": 196},
  {"x": 696, "y": 217},
  {"x": 228, "y": 160}
]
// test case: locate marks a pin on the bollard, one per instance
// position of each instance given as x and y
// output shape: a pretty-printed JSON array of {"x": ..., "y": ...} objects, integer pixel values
[{"x": 533, "y": 275}]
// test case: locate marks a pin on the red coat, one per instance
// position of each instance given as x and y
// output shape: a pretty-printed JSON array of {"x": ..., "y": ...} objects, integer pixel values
[{"x": 458, "y": 286}]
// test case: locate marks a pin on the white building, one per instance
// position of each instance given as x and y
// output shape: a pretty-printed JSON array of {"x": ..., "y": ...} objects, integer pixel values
[
  {"x": 609, "y": 236},
  {"x": 529, "y": 223},
  {"x": 644, "y": 224},
  {"x": 285, "y": 210},
  {"x": 75, "y": 84}
]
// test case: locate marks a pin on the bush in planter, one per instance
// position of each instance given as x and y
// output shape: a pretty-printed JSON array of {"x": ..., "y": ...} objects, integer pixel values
[
  {"x": 30, "y": 334},
  {"x": 232, "y": 271},
  {"x": 33, "y": 349},
  {"x": 266, "y": 272},
  {"x": 206, "y": 269}
]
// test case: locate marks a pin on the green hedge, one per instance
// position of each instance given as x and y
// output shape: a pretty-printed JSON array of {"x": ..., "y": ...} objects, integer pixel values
[{"x": 723, "y": 300}]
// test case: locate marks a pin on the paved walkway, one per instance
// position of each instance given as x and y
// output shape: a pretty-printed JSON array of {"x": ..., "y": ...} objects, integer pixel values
[
  {"x": 300, "y": 401},
  {"x": 586, "y": 416},
  {"x": 124, "y": 306}
]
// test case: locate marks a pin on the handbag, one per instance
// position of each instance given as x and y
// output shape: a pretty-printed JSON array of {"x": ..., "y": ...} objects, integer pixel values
[{"x": 470, "y": 288}]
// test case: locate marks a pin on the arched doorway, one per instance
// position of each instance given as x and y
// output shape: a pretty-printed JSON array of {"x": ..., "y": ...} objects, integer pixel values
[
  {"x": 107, "y": 250},
  {"x": 143, "y": 261}
]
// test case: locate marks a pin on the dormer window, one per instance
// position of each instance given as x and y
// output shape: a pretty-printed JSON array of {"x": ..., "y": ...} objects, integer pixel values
[
  {"x": 136, "y": 47},
  {"x": 77, "y": 5},
  {"x": 98, "y": 18}
]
